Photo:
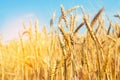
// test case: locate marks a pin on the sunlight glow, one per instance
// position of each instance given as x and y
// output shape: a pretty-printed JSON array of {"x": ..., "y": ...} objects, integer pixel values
[{"x": 12, "y": 26}]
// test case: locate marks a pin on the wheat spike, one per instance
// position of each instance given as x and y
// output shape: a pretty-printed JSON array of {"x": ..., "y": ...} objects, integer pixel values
[
  {"x": 72, "y": 9},
  {"x": 64, "y": 15},
  {"x": 76, "y": 30},
  {"x": 96, "y": 16}
]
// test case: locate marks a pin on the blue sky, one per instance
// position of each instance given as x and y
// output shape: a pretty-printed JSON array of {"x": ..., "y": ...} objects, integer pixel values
[{"x": 13, "y": 12}]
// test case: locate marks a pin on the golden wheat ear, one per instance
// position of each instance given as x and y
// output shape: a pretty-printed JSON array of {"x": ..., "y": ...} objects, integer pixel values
[
  {"x": 76, "y": 30},
  {"x": 96, "y": 16}
]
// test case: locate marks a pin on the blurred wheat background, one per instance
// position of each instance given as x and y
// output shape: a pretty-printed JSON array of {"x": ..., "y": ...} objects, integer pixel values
[{"x": 63, "y": 53}]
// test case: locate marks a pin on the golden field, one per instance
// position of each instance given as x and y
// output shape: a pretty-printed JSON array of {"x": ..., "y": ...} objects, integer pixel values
[{"x": 64, "y": 54}]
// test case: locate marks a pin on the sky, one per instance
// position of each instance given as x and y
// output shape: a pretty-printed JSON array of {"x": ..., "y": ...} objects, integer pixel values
[{"x": 14, "y": 12}]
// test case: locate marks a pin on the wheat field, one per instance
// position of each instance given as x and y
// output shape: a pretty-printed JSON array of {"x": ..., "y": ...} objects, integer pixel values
[{"x": 64, "y": 53}]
